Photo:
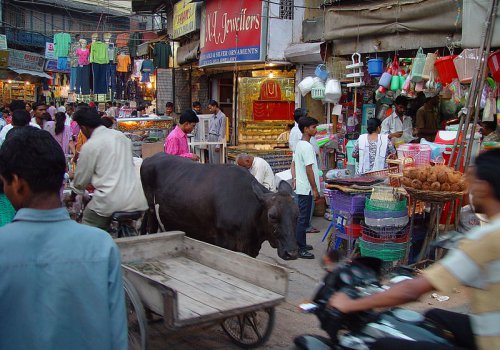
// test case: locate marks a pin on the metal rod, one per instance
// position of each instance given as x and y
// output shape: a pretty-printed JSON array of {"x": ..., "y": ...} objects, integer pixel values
[
  {"x": 491, "y": 26},
  {"x": 473, "y": 96}
]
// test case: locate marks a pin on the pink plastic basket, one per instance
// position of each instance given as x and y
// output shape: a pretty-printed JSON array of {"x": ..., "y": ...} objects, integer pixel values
[{"x": 421, "y": 154}]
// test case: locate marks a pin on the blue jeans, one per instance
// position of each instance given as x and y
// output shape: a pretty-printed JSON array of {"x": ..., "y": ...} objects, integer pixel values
[
  {"x": 111, "y": 76},
  {"x": 99, "y": 71},
  {"x": 72, "y": 79},
  {"x": 304, "y": 202},
  {"x": 296, "y": 199},
  {"x": 83, "y": 80}
]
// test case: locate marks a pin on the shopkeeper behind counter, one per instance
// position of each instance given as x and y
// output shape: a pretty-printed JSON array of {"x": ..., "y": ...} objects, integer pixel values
[
  {"x": 398, "y": 125},
  {"x": 371, "y": 150}
]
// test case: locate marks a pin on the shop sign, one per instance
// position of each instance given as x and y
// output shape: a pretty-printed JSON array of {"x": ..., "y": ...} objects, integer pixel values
[
  {"x": 26, "y": 60},
  {"x": 51, "y": 66},
  {"x": 49, "y": 50},
  {"x": 3, "y": 42},
  {"x": 233, "y": 32},
  {"x": 4, "y": 59},
  {"x": 185, "y": 18}
]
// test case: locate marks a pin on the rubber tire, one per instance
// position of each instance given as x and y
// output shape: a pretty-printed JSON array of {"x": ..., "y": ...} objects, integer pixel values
[
  {"x": 135, "y": 300},
  {"x": 265, "y": 337}
]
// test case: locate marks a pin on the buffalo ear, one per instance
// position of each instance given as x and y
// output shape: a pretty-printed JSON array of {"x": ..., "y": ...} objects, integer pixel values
[
  {"x": 259, "y": 190},
  {"x": 284, "y": 187}
]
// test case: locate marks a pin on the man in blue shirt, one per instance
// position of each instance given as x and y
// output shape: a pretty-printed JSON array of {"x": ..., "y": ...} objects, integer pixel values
[{"x": 61, "y": 285}]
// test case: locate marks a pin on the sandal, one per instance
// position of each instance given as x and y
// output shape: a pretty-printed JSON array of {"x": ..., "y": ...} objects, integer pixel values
[{"x": 312, "y": 230}]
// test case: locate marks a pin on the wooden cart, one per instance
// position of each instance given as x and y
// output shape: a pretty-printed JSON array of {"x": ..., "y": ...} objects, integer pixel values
[{"x": 191, "y": 283}]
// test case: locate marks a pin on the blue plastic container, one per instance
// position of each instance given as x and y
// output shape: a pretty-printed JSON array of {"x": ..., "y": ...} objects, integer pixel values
[{"x": 375, "y": 67}]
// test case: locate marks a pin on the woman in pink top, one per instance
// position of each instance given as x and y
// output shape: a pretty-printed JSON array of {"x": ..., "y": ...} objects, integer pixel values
[
  {"x": 61, "y": 133},
  {"x": 176, "y": 142}
]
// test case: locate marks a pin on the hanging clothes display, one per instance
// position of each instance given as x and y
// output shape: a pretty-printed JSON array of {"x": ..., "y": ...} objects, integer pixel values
[
  {"x": 133, "y": 41},
  {"x": 136, "y": 71},
  {"x": 99, "y": 59},
  {"x": 147, "y": 67},
  {"x": 62, "y": 42},
  {"x": 122, "y": 39},
  {"x": 162, "y": 53},
  {"x": 73, "y": 63},
  {"x": 122, "y": 67},
  {"x": 131, "y": 89},
  {"x": 82, "y": 84}
]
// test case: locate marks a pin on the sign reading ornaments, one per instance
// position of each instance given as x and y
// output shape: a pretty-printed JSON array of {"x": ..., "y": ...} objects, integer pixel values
[{"x": 233, "y": 32}]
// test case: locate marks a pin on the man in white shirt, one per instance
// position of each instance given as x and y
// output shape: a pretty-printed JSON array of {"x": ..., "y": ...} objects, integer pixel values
[
  {"x": 307, "y": 182},
  {"x": 295, "y": 137},
  {"x": 398, "y": 125},
  {"x": 106, "y": 162},
  {"x": 20, "y": 118},
  {"x": 259, "y": 168}
]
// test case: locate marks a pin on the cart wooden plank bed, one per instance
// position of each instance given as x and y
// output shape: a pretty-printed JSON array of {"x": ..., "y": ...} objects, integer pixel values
[{"x": 191, "y": 283}]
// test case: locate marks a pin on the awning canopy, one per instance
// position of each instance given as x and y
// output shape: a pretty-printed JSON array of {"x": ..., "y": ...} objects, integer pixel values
[
  {"x": 391, "y": 25},
  {"x": 305, "y": 53},
  {"x": 31, "y": 72}
]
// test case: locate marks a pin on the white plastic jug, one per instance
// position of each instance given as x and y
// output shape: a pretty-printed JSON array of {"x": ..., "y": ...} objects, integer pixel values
[{"x": 305, "y": 86}]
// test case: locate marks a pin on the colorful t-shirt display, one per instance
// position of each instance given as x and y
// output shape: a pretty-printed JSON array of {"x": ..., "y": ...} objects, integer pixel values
[
  {"x": 99, "y": 53},
  {"x": 83, "y": 56},
  {"x": 62, "y": 42},
  {"x": 123, "y": 63}
]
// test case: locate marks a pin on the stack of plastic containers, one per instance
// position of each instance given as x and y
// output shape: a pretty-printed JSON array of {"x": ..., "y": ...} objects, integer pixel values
[{"x": 385, "y": 233}]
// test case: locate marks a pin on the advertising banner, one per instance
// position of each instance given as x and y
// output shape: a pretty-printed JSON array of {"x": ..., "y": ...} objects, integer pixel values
[
  {"x": 49, "y": 50},
  {"x": 26, "y": 60},
  {"x": 185, "y": 18},
  {"x": 233, "y": 32}
]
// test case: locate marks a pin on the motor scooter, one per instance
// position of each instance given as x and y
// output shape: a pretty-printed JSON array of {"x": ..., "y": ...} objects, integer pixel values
[{"x": 358, "y": 331}]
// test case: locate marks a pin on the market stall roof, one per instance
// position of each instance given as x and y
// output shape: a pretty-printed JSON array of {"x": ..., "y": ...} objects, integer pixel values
[
  {"x": 31, "y": 72},
  {"x": 305, "y": 53},
  {"x": 391, "y": 24}
]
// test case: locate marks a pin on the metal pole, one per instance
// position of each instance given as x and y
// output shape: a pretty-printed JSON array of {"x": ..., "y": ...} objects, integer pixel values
[
  {"x": 491, "y": 26},
  {"x": 471, "y": 101}
]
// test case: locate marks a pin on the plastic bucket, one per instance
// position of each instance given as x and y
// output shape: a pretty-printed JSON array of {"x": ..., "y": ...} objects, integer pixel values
[
  {"x": 494, "y": 65},
  {"x": 375, "y": 67},
  {"x": 446, "y": 69},
  {"x": 385, "y": 80}
]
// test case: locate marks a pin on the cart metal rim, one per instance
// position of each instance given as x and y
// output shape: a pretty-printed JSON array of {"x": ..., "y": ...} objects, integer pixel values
[
  {"x": 136, "y": 318},
  {"x": 251, "y": 329}
]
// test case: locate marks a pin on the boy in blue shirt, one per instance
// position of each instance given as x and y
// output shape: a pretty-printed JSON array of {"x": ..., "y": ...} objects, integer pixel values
[{"x": 61, "y": 285}]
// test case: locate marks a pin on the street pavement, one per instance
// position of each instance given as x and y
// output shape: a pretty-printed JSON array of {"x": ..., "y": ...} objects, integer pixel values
[{"x": 304, "y": 276}]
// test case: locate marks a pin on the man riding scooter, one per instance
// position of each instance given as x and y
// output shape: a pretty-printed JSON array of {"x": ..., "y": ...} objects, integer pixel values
[{"x": 475, "y": 264}]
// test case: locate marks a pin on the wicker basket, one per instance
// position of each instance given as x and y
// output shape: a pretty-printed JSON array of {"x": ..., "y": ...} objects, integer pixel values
[{"x": 432, "y": 196}]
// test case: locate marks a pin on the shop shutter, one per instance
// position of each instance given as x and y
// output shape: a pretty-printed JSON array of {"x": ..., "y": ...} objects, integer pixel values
[{"x": 164, "y": 91}]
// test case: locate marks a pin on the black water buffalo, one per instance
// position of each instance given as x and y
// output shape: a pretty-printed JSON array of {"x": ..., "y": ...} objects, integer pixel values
[{"x": 219, "y": 204}]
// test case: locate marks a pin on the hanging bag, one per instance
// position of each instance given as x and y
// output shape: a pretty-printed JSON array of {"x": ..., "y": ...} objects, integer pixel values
[
  {"x": 395, "y": 81},
  {"x": 429, "y": 65},
  {"x": 418, "y": 66},
  {"x": 333, "y": 91}
]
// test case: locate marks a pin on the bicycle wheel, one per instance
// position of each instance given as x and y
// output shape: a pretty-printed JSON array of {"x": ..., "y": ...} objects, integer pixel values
[
  {"x": 250, "y": 330},
  {"x": 136, "y": 318}
]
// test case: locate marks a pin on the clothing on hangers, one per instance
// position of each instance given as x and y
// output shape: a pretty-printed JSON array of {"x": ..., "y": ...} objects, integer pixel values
[
  {"x": 136, "y": 72},
  {"x": 62, "y": 43},
  {"x": 111, "y": 77},
  {"x": 134, "y": 40},
  {"x": 111, "y": 52},
  {"x": 147, "y": 67},
  {"x": 162, "y": 53},
  {"x": 99, "y": 53},
  {"x": 122, "y": 39},
  {"x": 123, "y": 51},
  {"x": 124, "y": 62},
  {"x": 62, "y": 63}
]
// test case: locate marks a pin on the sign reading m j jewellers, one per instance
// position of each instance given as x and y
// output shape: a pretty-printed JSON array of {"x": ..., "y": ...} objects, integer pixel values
[{"x": 233, "y": 32}]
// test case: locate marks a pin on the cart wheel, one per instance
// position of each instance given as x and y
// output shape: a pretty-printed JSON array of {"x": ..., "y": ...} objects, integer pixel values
[
  {"x": 136, "y": 318},
  {"x": 250, "y": 330}
]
